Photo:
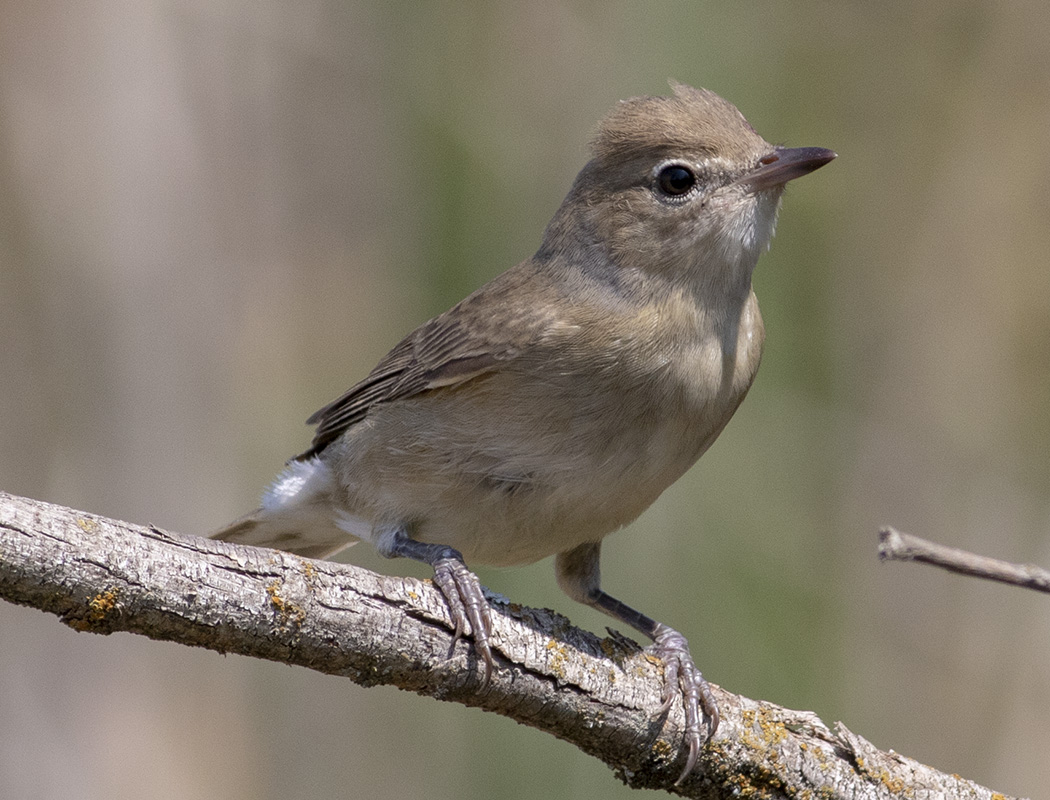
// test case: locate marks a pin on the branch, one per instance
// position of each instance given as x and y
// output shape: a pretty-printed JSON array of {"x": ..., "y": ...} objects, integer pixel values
[
  {"x": 102, "y": 576},
  {"x": 897, "y": 546}
]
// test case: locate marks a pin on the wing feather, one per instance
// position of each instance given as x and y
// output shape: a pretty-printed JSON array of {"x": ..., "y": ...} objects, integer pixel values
[{"x": 447, "y": 351}]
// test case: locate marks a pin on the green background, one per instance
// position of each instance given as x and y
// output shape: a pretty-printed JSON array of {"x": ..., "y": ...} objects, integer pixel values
[{"x": 216, "y": 215}]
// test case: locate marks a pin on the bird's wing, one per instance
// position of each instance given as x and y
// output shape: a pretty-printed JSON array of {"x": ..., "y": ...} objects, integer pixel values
[{"x": 455, "y": 347}]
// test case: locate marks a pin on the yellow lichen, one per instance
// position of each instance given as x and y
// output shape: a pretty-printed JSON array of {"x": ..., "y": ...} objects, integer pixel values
[
  {"x": 773, "y": 730},
  {"x": 98, "y": 609},
  {"x": 309, "y": 571},
  {"x": 558, "y": 658},
  {"x": 101, "y": 604},
  {"x": 87, "y": 525},
  {"x": 289, "y": 612},
  {"x": 895, "y": 785},
  {"x": 662, "y": 749},
  {"x": 885, "y": 777}
]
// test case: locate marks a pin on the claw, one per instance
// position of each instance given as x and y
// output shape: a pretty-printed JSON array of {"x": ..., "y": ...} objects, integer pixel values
[
  {"x": 681, "y": 675},
  {"x": 467, "y": 606}
]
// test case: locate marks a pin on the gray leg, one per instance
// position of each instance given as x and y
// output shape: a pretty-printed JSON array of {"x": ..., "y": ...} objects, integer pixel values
[
  {"x": 579, "y": 576},
  {"x": 460, "y": 586}
]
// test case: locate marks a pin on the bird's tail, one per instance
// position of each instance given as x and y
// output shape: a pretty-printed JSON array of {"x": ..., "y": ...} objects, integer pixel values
[{"x": 296, "y": 515}]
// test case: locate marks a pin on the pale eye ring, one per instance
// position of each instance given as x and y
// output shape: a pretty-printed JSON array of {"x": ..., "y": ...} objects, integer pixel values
[{"x": 675, "y": 180}]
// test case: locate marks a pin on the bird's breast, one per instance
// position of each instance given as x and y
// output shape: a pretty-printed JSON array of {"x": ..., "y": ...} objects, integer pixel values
[
  {"x": 564, "y": 444},
  {"x": 707, "y": 368}
]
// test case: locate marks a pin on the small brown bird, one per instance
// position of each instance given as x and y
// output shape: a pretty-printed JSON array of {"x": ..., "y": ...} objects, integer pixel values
[{"x": 554, "y": 404}]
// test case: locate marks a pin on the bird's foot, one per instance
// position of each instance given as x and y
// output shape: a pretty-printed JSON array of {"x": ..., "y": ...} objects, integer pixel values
[
  {"x": 468, "y": 607},
  {"x": 683, "y": 679}
]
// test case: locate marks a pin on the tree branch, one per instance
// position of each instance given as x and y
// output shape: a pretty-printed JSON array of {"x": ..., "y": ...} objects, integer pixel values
[
  {"x": 103, "y": 575},
  {"x": 897, "y": 546}
]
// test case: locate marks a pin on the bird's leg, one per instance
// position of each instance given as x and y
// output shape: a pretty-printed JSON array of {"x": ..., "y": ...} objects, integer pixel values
[
  {"x": 580, "y": 577},
  {"x": 460, "y": 587},
  {"x": 680, "y": 673}
]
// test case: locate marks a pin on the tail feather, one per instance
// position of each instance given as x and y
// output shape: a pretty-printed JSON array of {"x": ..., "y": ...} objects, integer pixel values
[
  {"x": 296, "y": 516},
  {"x": 292, "y": 533},
  {"x": 240, "y": 530}
]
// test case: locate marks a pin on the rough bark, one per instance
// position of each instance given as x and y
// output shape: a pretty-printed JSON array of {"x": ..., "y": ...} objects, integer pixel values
[{"x": 101, "y": 575}]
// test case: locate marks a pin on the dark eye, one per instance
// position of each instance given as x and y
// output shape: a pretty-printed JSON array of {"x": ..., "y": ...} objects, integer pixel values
[{"x": 674, "y": 180}]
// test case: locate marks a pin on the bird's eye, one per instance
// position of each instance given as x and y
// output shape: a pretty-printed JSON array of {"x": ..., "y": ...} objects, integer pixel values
[{"x": 675, "y": 180}]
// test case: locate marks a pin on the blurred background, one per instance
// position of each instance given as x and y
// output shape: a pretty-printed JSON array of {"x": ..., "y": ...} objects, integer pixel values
[{"x": 216, "y": 215}]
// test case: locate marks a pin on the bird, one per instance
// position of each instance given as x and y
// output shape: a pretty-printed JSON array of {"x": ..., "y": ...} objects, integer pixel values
[{"x": 556, "y": 403}]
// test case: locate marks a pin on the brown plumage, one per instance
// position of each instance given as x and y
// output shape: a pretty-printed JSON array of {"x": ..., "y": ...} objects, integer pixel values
[{"x": 554, "y": 404}]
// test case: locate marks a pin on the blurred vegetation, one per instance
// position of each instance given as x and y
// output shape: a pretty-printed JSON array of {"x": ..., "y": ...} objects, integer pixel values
[{"x": 216, "y": 216}]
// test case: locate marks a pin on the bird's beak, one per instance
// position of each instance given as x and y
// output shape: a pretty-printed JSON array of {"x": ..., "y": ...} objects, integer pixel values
[{"x": 785, "y": 164}]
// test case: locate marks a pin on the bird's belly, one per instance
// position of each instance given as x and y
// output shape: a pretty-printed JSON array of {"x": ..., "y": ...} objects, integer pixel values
[
  {"x": 506, "y": 476},
  {"x": 601, "y": 476}
]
